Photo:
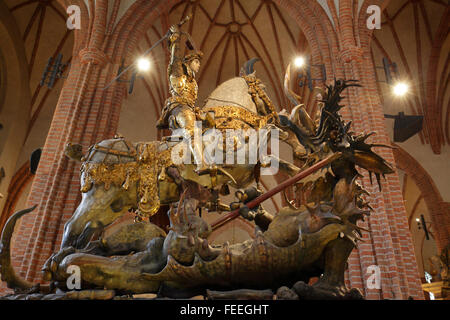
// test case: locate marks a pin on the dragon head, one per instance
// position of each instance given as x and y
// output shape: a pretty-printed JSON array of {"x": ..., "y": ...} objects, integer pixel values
[{"x": 332, "y": 134}]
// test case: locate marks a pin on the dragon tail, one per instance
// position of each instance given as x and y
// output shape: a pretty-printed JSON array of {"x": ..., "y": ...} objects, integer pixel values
[{"x": 8, "y": 274}]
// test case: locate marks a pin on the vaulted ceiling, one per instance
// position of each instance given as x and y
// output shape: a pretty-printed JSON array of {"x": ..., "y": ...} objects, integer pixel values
[{"x": 42, "y": 25}]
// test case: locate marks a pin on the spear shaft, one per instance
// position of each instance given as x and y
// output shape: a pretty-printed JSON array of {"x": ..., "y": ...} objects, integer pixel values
[
  {"x": 132, "y": 65},
  {"x": 255, "y": 202},
  {"x": 187, "y": 18}
]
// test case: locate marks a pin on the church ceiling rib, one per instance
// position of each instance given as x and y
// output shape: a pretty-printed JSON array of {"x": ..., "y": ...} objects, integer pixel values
[
  {"x": 34, "y": 17},
  {"x": 229, "y": 33}
]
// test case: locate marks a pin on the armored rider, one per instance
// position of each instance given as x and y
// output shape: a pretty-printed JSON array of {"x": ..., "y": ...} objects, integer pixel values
[{"x": 180, "y": 111}]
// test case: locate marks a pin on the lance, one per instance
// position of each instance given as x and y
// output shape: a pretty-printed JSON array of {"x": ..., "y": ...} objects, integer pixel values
[
  {"x": 255, "y": 202},
  {"x": 186, "y": 19}
]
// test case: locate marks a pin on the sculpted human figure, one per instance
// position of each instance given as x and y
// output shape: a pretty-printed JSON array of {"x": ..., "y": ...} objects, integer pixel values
[{"x": 180, "y": 111}]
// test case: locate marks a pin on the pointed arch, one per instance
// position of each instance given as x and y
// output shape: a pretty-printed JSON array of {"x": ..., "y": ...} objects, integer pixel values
[{"x": 439, "y": 210}]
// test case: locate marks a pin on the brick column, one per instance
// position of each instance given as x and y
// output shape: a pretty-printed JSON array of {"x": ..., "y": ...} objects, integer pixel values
[
  {"x": 389, "y": 245},
  {"x": 82, "y": 116}
]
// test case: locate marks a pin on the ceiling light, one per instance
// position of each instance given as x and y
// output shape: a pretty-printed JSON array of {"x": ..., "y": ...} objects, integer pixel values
[
  {"x": 299, "y": 62},
  {"x": 400, "y": 89},
  {"x": 143, "y": 64}
]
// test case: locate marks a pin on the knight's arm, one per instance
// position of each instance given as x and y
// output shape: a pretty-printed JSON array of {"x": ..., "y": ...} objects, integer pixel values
[{"x": 175, "y": 72}]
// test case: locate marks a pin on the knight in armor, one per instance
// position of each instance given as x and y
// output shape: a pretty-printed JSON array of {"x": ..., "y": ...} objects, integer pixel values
[{"x": 180, "y": 111}]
